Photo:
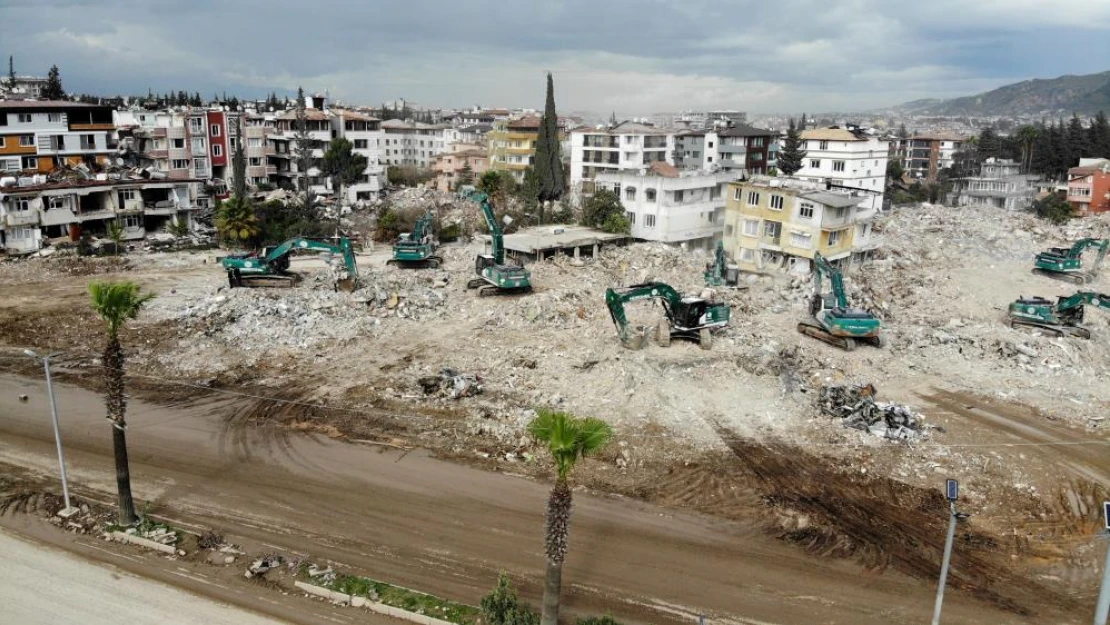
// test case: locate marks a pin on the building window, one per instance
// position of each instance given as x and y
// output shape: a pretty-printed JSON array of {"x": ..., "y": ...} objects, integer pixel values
[
  {"x": 728, "y": 230},
  {"x": 679, "y": 196},
  {"x": 24, "y": 118},
  {"x": 815, "y": 163},
  {"x": 776, "y": 202},
  {"x": 254, "y": 142},
  {"x": 756, "y": 142},
  {"x": 753, "y": 198},
  {"x": 126, "y": 195},
  {"x": 3, "y": 143},
  {"x": 649, "y": 221},
  {"x": 806, "y": 210},
  {"x": 631, "y": 218},
  {"x": 54, "y": 117},
  {"x": 179, "y": 163},
  {"x": 19, "y": 234},
  {"x": 30, "y": 162},
  {"x": 177, "y": 144},
  {"x": 737, "y": 194},
  {"x": 630, "y": 194},
  {"x": 26, "y": 141},
  {"x": 800, "y": 240},
  {"x": 254, "y": 161},
  {"x": 198, "y": 144},
  {"x": 217, "y": 149},
  {"x": 214, "y": 130},
  {"x": 132, "y": 222},
  {"x": 838, "y": 165},
  {"x": 751, "y": 227},
  {"x": 747, "y": 255},
  {"x": 710, "y": 144},
  {"x": 649, "y": 195},
  {"x": 88, "y": 142},
  {"x": 361, "y": 144},
  {"x": 834, "y": 237},
  {"x": 59, "y": 202},
  {"x": 23, "y": 204},
  {"x": 840, "y": 212},
  {"x": 824, "y": 145},
  {"x": 196, "y": 125}
]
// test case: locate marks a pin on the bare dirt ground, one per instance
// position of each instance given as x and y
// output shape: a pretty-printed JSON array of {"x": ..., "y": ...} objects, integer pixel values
[{"x": 731, "y": 433}]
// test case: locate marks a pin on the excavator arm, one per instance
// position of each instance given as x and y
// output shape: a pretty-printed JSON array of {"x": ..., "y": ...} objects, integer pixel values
[
  {"x": 496, "y": 233},
  {"x": 344, "y": 249},
  {"x": 1082, "y": 298},
  {"x": 823, "y": 268},
  {"x": 616, "y": 298}
]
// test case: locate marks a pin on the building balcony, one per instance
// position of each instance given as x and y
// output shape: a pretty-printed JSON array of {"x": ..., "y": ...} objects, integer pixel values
[
  {"x": 21, "y": 218},
  {"x": 160, "y": 208},
  {"x": 156, "y": 154},
  {"x": 269, "y": 150},
  {"x": 97, "y": 215},
  {"x": 771, "y": 242},
  {"x": 271, "y": 170}
]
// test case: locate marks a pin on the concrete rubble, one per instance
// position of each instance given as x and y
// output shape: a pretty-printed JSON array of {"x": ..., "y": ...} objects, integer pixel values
[
  {"x": 261, "y": 566},
  {"x": 856, "y": 406}
]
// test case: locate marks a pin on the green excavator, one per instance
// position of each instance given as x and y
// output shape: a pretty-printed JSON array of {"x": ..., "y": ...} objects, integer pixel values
[
  {"x": 834, "y": 322},
  {"x": 1066, "y": 263},
  {"x": 493, "y": 276},
  {"x": 417, "y": 249},
  {"x": 1060, "y": 318},
  {"x": 270, "y": 265},
  {"x": 691, "y": 318},
  {"x": 719, "y": 272}
]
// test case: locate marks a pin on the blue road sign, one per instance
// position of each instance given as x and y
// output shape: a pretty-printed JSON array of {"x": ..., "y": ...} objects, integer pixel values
[{"x": 952, "y": 490}]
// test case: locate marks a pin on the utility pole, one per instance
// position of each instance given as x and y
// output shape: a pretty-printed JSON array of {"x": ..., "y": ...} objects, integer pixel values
[
  {"x": 1103, "y": 607},
  {"x": 69, "y": 509},
  {"x": 952, "y": 491}
]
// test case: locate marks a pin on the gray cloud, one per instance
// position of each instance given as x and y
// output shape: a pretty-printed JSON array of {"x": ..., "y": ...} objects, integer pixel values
[{"x": 632, "y": 56}]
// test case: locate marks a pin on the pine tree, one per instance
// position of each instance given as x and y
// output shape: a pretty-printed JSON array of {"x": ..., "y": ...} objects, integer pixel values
[
  {"x": 803, "y": 124},
  {"x": 902, "y": 132},
  {"x": 1077, "y": 140},
  {"x": 302, "y": 151},
  {"x": 550, "y": 180},
  {"x": 792, "y": 155},
  {"x": 53, "y": 90},
  {"x": 612, "y": 119},
  {"x": 1098, "y": 137},
  {"x": 11, "y": 72}
]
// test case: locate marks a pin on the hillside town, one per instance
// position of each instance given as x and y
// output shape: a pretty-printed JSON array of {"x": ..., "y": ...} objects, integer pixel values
[{"x": 358, "y": 359}]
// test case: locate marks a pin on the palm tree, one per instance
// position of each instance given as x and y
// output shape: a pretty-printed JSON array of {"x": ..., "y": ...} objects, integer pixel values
[
  {"x": 236, "y": 221},
  {"x": 569, "y": 439},
  {"x": 115, "y": 233},
  {"x": 116, "y": 302},
  {"x": 1027, "y": 137}
]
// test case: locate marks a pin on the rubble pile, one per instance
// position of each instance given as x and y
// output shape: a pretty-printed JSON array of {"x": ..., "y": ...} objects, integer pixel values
[
  {"x": 451, "y": 383},
  {"x": 856, "y": 406}
]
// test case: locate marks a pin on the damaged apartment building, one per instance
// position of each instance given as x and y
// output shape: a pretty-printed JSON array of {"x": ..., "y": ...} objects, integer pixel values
[
  {"x": 1000, "y": 184},
  {"x": 35, "y": 210},
  {"x": 780, "y": 223}
]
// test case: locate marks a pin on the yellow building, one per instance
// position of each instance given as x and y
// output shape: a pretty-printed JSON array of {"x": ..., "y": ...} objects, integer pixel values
[
  {"x": 512, "y": 144},
  {"x": 780, "y": 223}
]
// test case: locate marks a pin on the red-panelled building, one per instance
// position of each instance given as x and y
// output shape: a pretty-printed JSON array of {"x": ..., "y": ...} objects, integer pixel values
[
  {"x": 1089, "y": 186},
  {"x": 217, "y": 138}
]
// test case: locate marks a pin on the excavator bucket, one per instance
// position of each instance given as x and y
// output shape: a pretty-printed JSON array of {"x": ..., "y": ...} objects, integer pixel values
[{"x": 346, "y": 284}]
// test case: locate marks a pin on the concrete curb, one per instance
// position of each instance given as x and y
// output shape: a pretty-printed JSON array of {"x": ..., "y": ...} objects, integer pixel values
[
  {"x": 373, "y": 606},
  {"x": 143, "y": 542}
]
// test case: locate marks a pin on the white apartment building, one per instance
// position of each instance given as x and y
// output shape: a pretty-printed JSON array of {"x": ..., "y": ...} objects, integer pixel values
[
  {"x": 663, "y": 204},
  {"x": 365, "y": 134},
  {"x": 846, "y": 157},
  {"x": 626, "y": 146},
  {"x": 415, "y": 143}
]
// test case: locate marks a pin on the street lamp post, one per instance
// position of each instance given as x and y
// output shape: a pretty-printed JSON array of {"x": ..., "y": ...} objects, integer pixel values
[
  {"x": 952, "y": 490},
  {"x": 69, "y": 509}
]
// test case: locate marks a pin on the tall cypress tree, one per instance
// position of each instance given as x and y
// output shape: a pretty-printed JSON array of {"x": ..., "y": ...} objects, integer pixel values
[
  {"x": 1077, "y": 140},
  {"x": 1098, "y": 137},
  {"x": 792, "y": 154},
  {"x": 239, "y": 162},
  {"x": 551, "y": 182}
]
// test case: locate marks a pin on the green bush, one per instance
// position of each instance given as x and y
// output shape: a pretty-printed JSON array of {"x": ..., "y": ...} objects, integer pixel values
[
  {"x": 450, "y": 233},
  {"x": 503, "y": 607},
  {"x": 1054, "y": 207},
  {"x": 617, "y": 224},
  {"x": 597, "y": 620}
]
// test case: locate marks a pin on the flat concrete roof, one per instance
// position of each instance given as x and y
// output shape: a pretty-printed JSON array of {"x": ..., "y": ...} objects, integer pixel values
[{"x": 544, "y": 238}]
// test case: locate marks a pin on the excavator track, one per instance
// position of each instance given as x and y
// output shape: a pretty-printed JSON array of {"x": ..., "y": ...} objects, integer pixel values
[
  {"x": 489, "y": 289},
  {"x": 431, "y": 262},
  {"x": 1079, "y": 331},
  {"x": 1078, "y": 277},
  {"x": 819, "y": 333}
]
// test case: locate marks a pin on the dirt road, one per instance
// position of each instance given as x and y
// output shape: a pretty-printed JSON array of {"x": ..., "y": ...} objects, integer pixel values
[
  {"x": 423, "y": 523},
  {"x": 41, "y": 586}
]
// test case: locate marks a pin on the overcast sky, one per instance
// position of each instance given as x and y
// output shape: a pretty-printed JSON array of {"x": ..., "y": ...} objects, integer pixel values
[{"x": 631, "y": 56}]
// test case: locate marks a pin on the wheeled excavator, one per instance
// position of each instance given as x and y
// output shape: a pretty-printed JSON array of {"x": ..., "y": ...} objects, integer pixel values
[
  {"x": 719, "y": 272},
  {"x": 1066, "y": 263},
  {"x": 417, "y": 249},
  {"x": 492, "y": 275},
  {"x": 691, "y": 318},
  {"x": 270, "y": 265},
  {"x": 1060, "y": 318},
  {"x": 833, "y": 320}
]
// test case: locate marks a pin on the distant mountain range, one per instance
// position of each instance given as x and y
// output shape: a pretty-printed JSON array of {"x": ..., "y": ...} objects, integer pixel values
[{"x": 1085, "y": 95}]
